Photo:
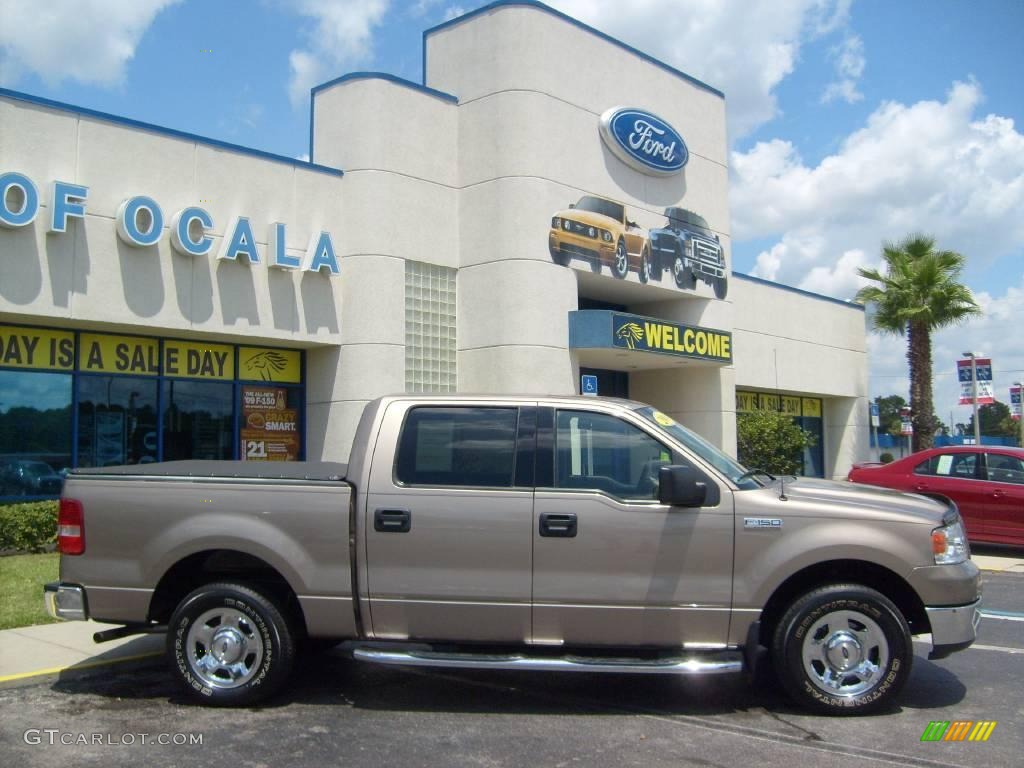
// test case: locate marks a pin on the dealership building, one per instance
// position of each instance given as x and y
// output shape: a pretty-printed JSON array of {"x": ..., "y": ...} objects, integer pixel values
[{"x": 547, "y": 213}]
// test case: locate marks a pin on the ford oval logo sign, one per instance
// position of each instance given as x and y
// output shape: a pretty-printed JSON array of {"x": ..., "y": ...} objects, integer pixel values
[{"x": 644, "y": 141}]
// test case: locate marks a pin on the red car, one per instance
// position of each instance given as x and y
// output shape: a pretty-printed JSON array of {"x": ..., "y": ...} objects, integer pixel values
[{"x": 986, "y": 482}]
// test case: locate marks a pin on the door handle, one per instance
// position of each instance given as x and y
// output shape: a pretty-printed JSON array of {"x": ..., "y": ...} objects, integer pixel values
[
  {"x": 920, "y": 487},
  {"x": 392, "y": 520},
  {"x": 558, "y": 526},
  {"x": 997, "y": 494}
]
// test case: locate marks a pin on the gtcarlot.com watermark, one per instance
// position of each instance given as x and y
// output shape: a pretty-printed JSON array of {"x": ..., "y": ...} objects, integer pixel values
[{"x": 54, "y": 736}]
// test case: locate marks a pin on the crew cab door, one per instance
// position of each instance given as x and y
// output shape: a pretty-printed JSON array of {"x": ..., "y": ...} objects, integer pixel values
[
  {"x": 1004, "y": 520},
  {"x": 447, "y": 521},
  {"x": 612, "y": 566}
]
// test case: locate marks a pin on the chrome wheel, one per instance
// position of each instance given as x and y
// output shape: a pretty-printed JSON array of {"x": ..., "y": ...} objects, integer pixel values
[
  {"x": 620, "y": 265},
  {"x": 842, "y": 649},
  {"x": 845, "y": 653},
  {"x": 683, "y": 274},
  {"x": 224, "y": 648}
]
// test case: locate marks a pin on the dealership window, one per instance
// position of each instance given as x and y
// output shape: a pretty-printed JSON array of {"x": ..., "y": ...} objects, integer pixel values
[
  {"x": 198, "y": 421},
  {"x": 806, "y": 413},
  {"x": 117, "y": 420},
  {"x": 83, "y": 399},
  {"x": 35, "y": 432},
  {"x": 429, "y": 328}
]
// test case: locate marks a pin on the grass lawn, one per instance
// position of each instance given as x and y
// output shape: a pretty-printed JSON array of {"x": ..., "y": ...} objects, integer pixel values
[{"x": 21, "y": 588}]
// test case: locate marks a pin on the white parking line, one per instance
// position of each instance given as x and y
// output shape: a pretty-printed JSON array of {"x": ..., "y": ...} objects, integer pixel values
[
  {"x": 1004, "y": 649},
  {"x": 1002, "y": 615}
]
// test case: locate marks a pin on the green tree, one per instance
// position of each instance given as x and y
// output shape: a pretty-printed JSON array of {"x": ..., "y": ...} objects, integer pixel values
[
  {"x": 995, "y": 421},
  {"x": 889, "y": 419},
  {"x": 771, "y": 441},
  {"x": 919, "y": 292}
]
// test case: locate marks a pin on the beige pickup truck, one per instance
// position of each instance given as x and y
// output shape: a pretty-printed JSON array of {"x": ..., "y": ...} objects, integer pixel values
[{"x": 538, "y": 533}]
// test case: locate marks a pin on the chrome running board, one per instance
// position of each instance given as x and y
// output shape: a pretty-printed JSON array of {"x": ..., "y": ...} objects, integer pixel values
[{"x": 716, "y": 664}]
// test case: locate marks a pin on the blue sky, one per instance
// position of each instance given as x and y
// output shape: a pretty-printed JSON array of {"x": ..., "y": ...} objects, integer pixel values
[{"x": 851, "y": 121}]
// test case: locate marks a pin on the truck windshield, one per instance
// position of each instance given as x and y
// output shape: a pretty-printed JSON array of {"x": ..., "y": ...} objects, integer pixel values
[
  {"x": 604, "y": 207},
  {"x": 680, "y": 218},
  {"x": 725, "y": 464}
]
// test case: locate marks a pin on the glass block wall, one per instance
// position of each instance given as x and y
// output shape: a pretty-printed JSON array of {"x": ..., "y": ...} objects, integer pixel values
[{"x": 429, "y": 328}]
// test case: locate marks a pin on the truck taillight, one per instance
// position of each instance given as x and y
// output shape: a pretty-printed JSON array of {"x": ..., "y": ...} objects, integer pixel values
[{"x": 71, "y": 527}]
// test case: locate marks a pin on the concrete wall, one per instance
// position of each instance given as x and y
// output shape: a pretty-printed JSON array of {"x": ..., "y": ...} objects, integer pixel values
[
  {"x": 796, "y": 343},
  {"x": 87, "y": 274}
]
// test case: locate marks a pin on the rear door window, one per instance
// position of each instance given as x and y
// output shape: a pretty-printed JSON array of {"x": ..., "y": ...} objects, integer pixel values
[
  {"x": 1004, "y": 469},
  {"x": 961, "y": 465},
  {"x": 458, "y": 446}
]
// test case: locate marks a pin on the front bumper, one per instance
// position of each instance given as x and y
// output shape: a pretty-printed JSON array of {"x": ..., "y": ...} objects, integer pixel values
[
  {"x": 580, "y": 245},
  {"x": 953, "y": 628},
  {"x": 65, "y": 601}
]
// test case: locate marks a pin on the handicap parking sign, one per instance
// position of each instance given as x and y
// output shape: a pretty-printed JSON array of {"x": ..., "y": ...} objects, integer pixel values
[{"x": 588, "y": 385}]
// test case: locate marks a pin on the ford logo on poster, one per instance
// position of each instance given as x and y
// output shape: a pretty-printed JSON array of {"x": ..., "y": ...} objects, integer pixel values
[{"x": 643, "y": 141}]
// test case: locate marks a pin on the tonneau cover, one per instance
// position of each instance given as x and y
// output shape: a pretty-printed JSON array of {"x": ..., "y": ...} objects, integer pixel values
[{"x": 266, "y": 470}]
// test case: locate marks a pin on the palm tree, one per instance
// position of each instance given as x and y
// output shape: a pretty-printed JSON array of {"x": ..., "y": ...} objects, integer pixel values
[{"x": 918, "y": 294}]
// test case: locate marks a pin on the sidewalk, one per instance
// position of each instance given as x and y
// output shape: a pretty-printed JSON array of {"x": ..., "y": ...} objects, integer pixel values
[{"x": 50, "y": 649}]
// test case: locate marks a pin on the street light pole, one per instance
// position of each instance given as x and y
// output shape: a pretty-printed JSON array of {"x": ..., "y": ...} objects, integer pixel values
[
  {"x": 974, "y": 395},
  {"x": 1021, "y": 422}
]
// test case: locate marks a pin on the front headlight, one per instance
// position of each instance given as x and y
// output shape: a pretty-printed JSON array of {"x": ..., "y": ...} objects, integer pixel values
[
  {"x": 566, "y": 224},
  {"x": 949, "y": 544},
  {"x": 606, "y": 236},
  {"x": 556, "y": 223}
]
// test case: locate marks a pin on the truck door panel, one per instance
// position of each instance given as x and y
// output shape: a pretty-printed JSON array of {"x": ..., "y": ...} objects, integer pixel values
[
  {"x": 636, "y": 572},
  {"x": 448, "y": 544}
]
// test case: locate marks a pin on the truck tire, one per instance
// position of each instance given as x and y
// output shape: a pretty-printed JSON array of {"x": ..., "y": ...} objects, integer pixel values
[
  {"x": 645, "y": 265},
  {"x": 230, "y": 645},
  {"x": 842, "y": 649},
  {"x": 721, "y": 286},
  {"x": 682, "y": 272}
]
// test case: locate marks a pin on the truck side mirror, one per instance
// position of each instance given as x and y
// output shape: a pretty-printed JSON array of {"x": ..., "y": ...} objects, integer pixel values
[{"x": 680, "y": 485}]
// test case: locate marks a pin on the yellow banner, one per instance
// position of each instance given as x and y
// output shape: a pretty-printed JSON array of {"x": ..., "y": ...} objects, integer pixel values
[
  {"x": 37, "y": 348},
  {"x": 133, "y": 355},
  {"x": 264, "y": 364},
  {"x": 769, "y": 402},
  {"x": 812, "y": 407},
  {"x": 184, "y": 359},
  {"x": 791, "y": 406},
  {"x": 746, "y": 402}
]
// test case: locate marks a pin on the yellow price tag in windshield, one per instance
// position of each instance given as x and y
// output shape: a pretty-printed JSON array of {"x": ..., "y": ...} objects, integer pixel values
[{"x": 665, "y": 421}]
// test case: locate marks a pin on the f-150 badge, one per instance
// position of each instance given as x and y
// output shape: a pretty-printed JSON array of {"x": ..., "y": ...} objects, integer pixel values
[{"x": 762, "y": 522}]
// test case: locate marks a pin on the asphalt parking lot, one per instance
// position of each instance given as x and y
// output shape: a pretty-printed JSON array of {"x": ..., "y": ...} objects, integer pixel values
[{"x": 339, "y": 712}]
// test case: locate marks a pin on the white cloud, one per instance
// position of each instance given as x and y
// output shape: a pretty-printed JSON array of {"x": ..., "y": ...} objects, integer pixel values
[
  {"x": 343, "y": 37},
  {"x": 850, "y": 62},
  {"x": 744, "y": 49},
  {"x": 86, "y": 40},
  {"x": 932, "y": 166},
  {"x": 453, "y": 12}
]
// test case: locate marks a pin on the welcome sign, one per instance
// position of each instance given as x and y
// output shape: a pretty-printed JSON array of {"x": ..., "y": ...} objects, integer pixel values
[{"x": 649, "y": 335}]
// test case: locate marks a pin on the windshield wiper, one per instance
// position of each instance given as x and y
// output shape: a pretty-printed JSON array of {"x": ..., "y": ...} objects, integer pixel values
[{"x": 750, "y": 473}]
